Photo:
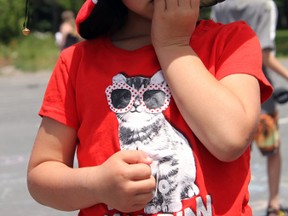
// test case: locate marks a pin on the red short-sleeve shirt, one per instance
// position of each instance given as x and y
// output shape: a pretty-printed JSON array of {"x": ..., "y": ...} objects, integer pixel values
[{"x": 95, "y": 88}]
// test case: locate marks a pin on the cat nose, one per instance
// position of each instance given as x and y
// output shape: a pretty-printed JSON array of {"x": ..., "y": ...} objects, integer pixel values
[
  {"x": 137, "y": 102},
  {"x": 137, "y": 105},
  {"x": 137, "y": 108}
]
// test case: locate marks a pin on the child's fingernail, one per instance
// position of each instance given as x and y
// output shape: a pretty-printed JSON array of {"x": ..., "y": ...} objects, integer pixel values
[{"x": 149, "y": 159}]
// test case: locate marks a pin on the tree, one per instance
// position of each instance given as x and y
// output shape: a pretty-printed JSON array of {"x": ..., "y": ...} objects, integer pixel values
[
  {"x": 12, "y": 15},
  {"x": 44, "y": 16},
  {"x": 282, "y": 6}
]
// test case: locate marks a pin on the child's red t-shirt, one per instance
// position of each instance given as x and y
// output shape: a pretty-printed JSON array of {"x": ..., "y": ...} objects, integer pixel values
[{"x": 117, "y": 99}]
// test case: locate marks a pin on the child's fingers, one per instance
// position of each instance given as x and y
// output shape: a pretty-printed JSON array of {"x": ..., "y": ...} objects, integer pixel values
[
  {"x": 139, "y": 172},
  {"x": 145, "y": 186},
  {"x": 140, "y": 201},
  {"x": 143, "y": 199},
  {"x": 171, "y": 4},
  {"x": 186, "y": 3},
  {"x": 135, "y": 157},
  {"x": 195, "y": 4},
  {"x": 159, "y": 5}
]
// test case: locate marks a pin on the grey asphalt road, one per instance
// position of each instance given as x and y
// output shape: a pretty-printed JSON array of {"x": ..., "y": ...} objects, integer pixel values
[{"x": 20, "y": 98}]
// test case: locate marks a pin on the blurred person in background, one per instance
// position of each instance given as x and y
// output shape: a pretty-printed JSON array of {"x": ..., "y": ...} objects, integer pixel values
[
  {"x": 262, "y": 15},
  {"x": 67, "y": 34}
]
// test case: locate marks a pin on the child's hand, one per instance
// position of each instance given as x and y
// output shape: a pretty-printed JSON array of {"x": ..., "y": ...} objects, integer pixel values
[
  {"x": 126, "y": 181},
  {"x": 174, "y": 22}
]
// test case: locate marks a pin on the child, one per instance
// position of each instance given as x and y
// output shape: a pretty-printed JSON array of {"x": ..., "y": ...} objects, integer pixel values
[{"x": 161, "y": 109}]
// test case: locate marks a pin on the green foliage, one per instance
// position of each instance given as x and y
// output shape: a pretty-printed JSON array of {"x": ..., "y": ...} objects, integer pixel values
[
  {"x": 12, "y": 14},
  {"x": 205, "y": 13},
  {"x": 44, "y": 16},
  {"x": 70, "y": 4},
  {"x": 282, "y": 6},
  {"x": 282, "y": 43}
]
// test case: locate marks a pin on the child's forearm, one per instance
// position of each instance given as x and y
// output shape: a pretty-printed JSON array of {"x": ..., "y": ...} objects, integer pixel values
[
  {"x": 55, "y": 185},
  {"x": 215, "y": 113}
]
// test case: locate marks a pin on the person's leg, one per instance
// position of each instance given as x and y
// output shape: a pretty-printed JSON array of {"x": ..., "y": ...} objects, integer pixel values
[{"x": 274, "y": 173}]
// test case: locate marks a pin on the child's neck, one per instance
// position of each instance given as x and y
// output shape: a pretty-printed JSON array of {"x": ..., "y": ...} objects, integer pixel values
[{"x": 134, "y": 35}]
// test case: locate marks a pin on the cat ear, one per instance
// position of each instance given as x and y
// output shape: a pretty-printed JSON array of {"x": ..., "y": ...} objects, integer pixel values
[
  {"x": 119, "y": 78},
  {"x": 157, "y": 78}
]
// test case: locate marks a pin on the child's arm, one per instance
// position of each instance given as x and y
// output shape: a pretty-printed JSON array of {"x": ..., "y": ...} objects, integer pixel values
[
  {"x": 223, "y": 115},
  {"x": 123, "y": 182}
]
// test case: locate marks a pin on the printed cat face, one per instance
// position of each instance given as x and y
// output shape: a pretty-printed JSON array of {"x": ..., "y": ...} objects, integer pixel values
[
  {"x": 138, "y": 99},
  {"x": 139, "y": 103}
]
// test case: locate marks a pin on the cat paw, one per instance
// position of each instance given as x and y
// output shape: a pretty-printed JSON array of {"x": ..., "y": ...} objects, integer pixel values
[
  {"x": 152, "y": 209},
  {"x": 173, "y": 207},
  {"x": 165, "y": 208},
  {"x": 189, "y": 192},
  {"x": 195, "y": 190}
]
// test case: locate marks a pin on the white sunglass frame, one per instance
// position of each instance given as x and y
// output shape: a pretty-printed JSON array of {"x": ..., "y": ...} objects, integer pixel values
[{"x": 138, "y": 93}]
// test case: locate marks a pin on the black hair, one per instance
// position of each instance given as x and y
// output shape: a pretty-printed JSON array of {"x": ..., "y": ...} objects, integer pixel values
[{"x": 106, "y": 18}]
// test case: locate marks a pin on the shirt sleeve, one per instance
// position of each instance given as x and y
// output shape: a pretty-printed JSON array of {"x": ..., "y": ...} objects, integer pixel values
[
  {"x": 59, "y": 99},
  {"x": 241, "y": 53}
]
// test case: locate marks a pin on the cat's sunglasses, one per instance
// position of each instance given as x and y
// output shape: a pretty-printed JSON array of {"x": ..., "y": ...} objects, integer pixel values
[{"x": 122, "y": 98}]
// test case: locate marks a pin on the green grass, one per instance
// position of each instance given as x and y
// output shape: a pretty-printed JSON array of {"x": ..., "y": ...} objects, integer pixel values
[{"x": 32, "y": 53}]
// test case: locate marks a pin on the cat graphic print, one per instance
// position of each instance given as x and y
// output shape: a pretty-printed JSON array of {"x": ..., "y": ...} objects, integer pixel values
[{"x": 138, "y": 103}]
